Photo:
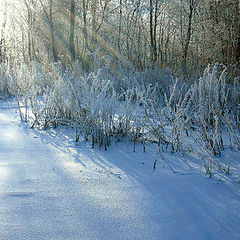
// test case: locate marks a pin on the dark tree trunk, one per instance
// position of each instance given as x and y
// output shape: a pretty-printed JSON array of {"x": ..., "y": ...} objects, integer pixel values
[
  {"x": 153, "y": 29},
  {"x": 52, "y": 32},
  {"x": 189, "y": 34},
  {"x": 120, "y": 26},
  {"x": 72, "y": 29}
]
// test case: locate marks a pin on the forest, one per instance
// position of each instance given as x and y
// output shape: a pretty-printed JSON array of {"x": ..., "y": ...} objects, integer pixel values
[
  {"x": 183, "y": 35},
  {"x": 114, "y": 69},
  {"x": 119, "y": 119}
]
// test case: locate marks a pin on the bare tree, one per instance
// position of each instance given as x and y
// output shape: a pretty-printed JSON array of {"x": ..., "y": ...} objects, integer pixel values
[
  {"x": 72, "y": 29},
  {"x": 3, "y": 29},
  {"x": 153, "y": 28}
]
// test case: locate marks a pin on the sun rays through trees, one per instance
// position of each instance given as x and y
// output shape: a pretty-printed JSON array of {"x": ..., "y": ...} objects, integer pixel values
[
  {"x": 184, "y": 35},
  {"x": 123, "y": 69}
]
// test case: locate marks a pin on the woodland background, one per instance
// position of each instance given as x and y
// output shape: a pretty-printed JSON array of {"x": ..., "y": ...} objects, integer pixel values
[{"x": 182, "y": 35}]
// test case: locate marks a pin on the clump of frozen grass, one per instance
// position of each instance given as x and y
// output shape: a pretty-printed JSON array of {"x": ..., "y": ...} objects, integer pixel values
[
  {"x": 215, "y": 115},
  {"x": 203, "y": 111},
  {"x": 131, "y": 119},
  {"x": 211, "y": 107},
  {"x": 234, "y": 103},
  {"x": 174, "y": 118},
  {"x": 215, "y": 110},
  {"x": 98, "y": 101},
  {"x": 27, "y": 83},
  {"x": 142, "y": 110},
  {"x": 178, "y": 113}
]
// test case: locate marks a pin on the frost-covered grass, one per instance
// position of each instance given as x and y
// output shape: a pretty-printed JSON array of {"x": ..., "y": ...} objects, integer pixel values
[{"x": 143, "y": 107}]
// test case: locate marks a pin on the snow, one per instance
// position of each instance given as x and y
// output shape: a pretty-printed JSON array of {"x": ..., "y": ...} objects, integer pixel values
[{"x": 51, "y": 188}]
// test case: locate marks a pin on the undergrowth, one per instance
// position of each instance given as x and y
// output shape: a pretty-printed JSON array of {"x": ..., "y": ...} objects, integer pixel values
[{"x": 150, "y": 106}]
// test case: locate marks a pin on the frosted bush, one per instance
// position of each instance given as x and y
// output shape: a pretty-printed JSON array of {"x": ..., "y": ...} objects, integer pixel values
[
  {"x": 211, "y": 106},
  {"x": 148, "y": 107},
  {"x": 97, "y": 100},
  {"x": 175, "y": 115},
  {"x": 4, "y": 81}
]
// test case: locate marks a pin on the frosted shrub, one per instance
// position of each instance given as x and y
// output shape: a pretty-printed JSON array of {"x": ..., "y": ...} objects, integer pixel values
[
  {"x": 178, "y": 112},
  {"x": 143, "y": 110},
  {"x": 53, "y": 106},
  {"x": 96, "y": 105},
  {"x": 176, "y": 116},
  {"x": 234, "y": 102},
  {"x": 28, "y": 84},
  {"x": 4, "y": 81},
  {"x": 159, "y": 79},
  {"x": 22, "y": 80},
  {"x": 132, "y": 115},
  {"x": 211, "y": 105},
  {"x": 100, "y": 100},
  {"x": 88, "y": 103}
]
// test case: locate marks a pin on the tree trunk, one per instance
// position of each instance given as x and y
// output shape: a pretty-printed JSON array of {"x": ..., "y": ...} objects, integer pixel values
[
  {"x": 2, "y": 40},
  {"x": 52, "y": 32},
  {"x": 85, "y": 22},
  {"x": 237, "y": 50},
  {"x": 188, "y": 36},
  {"x": 94, "y": 34},
  {"x": 72, "y": 29},
  {"x": 153, "y": 26},
  {"x": 120, "y": 26}
]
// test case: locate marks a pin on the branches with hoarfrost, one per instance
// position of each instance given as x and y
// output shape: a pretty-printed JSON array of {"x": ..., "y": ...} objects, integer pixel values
[{"x": 144, "y": 110}]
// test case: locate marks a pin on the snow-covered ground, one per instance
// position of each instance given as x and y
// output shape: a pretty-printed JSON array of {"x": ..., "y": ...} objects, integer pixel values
[{"x": 52, "y": 189}]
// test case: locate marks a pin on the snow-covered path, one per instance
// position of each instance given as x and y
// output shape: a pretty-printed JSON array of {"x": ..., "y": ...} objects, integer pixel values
[{"x": 51, "y": 189}]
